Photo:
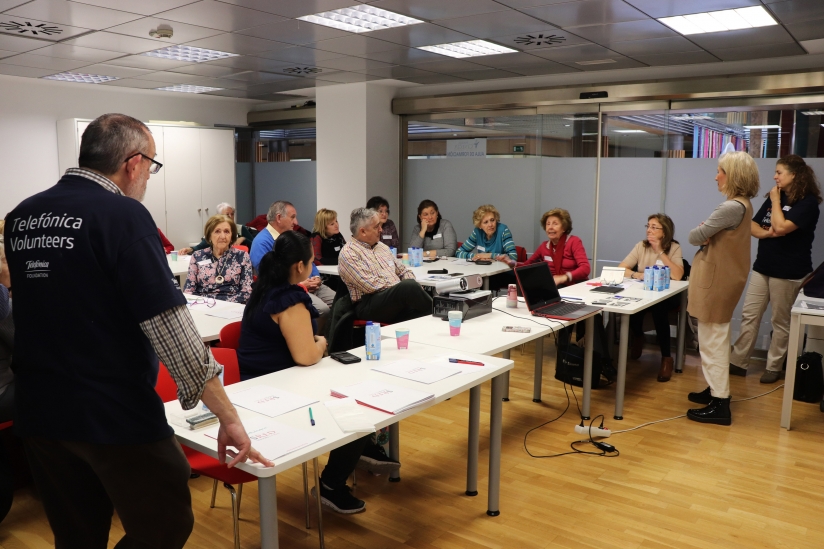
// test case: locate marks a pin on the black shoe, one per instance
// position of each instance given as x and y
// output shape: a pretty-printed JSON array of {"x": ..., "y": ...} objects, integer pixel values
[
  {"x": 340, "y": 500},
  {"x": 717, "y": 412},
  {"x": 375, "y": 460},
  {"x": 704, "y": 397},
  {"x": 737, "y": 370}
]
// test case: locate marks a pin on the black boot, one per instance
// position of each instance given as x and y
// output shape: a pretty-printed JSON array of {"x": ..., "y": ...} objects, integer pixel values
[
  {"x": 717, "y": 412},
  {"x": 704, "y": 397}
]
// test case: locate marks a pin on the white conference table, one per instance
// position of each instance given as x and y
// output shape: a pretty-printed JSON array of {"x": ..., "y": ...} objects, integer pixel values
[
  {"x": 799, "y": 318},
  {"x": 451, "y": 264},
  {"x": 633, "y": 288},
  {"x": 316, "y": 381},
  {"x": 181, "y": 266},
  {"x": 209, "y": 326}
]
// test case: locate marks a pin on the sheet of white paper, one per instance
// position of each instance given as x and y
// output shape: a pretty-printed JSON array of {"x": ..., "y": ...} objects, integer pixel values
[
  {"x": 228, "y": 314},
  {"x": 383, "y": 396},
  {"x": 349, "y": 416},
  {"x": 415, "y": 370},
  {"x": 274, "y": 440},
  {"x": 269, "y": 401}
]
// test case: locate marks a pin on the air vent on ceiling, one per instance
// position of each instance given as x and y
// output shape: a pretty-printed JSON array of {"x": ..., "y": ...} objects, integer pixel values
[
  {"x": 27, "y": 27},
  {"x": 540, "y": 39},
  {"x": 302, "y": 70}
]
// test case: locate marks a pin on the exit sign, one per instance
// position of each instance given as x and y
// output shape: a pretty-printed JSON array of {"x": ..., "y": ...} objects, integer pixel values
[{"x": 518, "y": 148}]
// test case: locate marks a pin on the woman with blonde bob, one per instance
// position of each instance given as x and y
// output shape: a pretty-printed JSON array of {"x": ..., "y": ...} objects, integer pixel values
[
  {"x": 719, "y": 274},
  {"x": 489, "y": 239},
  {"x": 326, "y": 238}
]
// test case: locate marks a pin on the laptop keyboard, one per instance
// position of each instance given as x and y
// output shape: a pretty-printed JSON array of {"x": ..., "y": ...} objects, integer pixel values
[{"x": 560, "y": 309}]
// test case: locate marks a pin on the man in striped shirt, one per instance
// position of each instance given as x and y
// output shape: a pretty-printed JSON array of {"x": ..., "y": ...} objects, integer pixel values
[{"x": 382, "y": 290}]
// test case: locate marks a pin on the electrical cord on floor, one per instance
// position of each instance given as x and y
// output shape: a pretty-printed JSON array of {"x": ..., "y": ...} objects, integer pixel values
[{"x": 606, "y": 450}]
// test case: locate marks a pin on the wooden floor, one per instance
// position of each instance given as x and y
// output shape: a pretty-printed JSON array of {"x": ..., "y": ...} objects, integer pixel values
[{"x": 677, "y": 484}]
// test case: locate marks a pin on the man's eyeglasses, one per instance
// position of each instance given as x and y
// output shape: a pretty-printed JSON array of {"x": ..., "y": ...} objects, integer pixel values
[
  {"x": 154, "y": 168},
  {"x": 653, "y": 227},
  {"x": 208, "y": 301}
]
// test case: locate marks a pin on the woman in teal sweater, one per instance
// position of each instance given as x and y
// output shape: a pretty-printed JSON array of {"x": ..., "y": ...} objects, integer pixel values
[{"x": 489, "y": 239}]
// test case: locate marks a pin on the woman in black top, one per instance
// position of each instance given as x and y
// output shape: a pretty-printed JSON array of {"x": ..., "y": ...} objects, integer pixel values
[
  {"x": 326, "y": 238},
  {"x": 784, "y": 227}
]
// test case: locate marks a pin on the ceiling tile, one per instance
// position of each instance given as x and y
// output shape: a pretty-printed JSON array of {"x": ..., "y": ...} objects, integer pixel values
[
  {"x": 798, "y": 11},
  {"x": 487, "y": 25},
  {"x": 256, "y": 77},
  {"x": 251, "y": 63},
  {"x": 15, "y": 70},
  {"x": 344, "y": 77},
  {"x": 170, "y": 77},
  {"x": 506, "y": 60},
  {"x": 241, "y": 94},
  {"x": 436, "y": 79},
  {"x": 114, "y": 70},
  {"x": 404, "y": 56},
  {"x": 17, "y": 43},
  {"x": 586, "y": 12},
  {"x": 35, "y": 28},
  {"x": 424, "y": 34},
  {"x": 115, "y": 42},
  {"x": 621, "y": 32},
  {"x": 217, "y": 15},
  {"x": 742, "y": 37},
  {"x": 518, "y": 4},
  {"x": 620, "y": 63},
  {"x": 589, "y": 52},
  {"x": 4, "y": 53},
  {"x": 429, "y": 10},
  {"x": 146, "y": 62},
  {"x": 135, "y": 83},
  {"x": 144, "y": 7},
  {"x": 295, "y": 32},
  {"x": 299, "y": 54},
  {"x": 219, "y": 83},
  {"x": 72, "y": 13},
  {"x": 69, "y": 51},
  {"x": 398, "y": 72},
  {"x": 813, "y": 46},
  {"x": 678, "y": 58},
  {"x": 354, "y": 64},
  {"x": 43, "y": 62},
  {"x": 205, "y": 69},
  {"x": 9, "y": 4},
  {"x": 807, "y": 30},
  {"x": 293, "y": 8},
  {"x": 486, "y": 74},
  {"x": 547, "y": 37},
  {"x": 667, "y": 8},
  {"x": 655, "y": 46},
  {"x": 237, "y": 43},
  {"x": 183, "y": 32},
  {"x": 274, "y": 87},
  {"x": 547, "y": 67},
  {"x": 447, "y": 65},
  {"x": 759, "y": 51},
  {"x": 356, "y": 45}
]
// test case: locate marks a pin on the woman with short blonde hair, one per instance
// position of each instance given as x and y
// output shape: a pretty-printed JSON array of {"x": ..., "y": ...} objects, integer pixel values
[
  {"x": 490, "y": 238},
  {"x": 327, "y": 241}
]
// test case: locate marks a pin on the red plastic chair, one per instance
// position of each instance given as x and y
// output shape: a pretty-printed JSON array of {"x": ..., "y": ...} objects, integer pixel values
[
  {"x": 229, "y": 338},
  {"x": 241, "y": 247},
  {"x": 521, "y": 251}
]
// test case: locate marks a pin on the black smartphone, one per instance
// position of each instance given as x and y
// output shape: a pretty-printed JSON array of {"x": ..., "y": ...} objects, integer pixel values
[
  {"x": 345, "y": 358},
  {"x": 437, "y": 271},
  {"x": 433, "y": 260},
  {"x": 483, "y": 262}
]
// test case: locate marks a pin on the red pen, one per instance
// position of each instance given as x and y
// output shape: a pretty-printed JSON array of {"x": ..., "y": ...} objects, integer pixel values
[{"x": 461, "y": 361}]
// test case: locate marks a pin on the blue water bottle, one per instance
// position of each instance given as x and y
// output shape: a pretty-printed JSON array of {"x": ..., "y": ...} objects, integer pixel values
[
  {"x": 418, "y": 257},
  {"x": 373, "y": 341},
  {"x": 666, "y": 278},
  {"x": 648, "y": 278},
  {"x": 657, "y": 279}
]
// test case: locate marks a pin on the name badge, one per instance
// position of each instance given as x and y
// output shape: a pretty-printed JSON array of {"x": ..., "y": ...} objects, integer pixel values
[
  {"x": 548, "y": 258},
  {"x": 387, "y": 237},
  {"x": 205, "y": 262},
  {"x": 337, "y": 248},
  {"x": 481, "y": 249},
  {"x": 787, "y": 208},
  {"x": 438, "y": 236}
]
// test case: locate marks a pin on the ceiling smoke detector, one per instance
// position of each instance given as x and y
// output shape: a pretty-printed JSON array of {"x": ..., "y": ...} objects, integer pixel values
[{"x": 162, "y": 31}]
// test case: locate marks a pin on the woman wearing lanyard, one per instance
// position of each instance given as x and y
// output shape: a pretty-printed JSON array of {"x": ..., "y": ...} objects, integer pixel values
[
  {"x": 433, "y": 233},
  {"x": 785, "y": 228},
  {"x": 489, "y": 239},
  {"x": 220, "y": 271},
  {"x": 718, "y": 276}
]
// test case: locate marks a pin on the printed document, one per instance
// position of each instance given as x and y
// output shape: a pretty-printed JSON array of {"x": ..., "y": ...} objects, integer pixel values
[
  {"x": 385, "y": 397},
  {"x": 415, "y": 370},
  {"x": 269, "y": 401},
  {"x": 274, "y": 440}
]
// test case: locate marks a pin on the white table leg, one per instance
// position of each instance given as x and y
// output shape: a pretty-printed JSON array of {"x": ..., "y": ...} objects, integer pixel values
[
  {"x": 267, "y": 497},
  {"x": 486, "y": 283},
  {"x": 474, "y": 437},
  {"x": 506, "y": 354},
  {"x": 789, "y": 377},
  {"x": 622, "y": 368},
  {"x": 538, "y": 378},
  {"x": 589, "y": 343},
  {"x": 680, "y": 341},
  {"x": 316, "y": 468},
  {"x": 495, "y": 422},
  {"x": 395, "y": 449}
]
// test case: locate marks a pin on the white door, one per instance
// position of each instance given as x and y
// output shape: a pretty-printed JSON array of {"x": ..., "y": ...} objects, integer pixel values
[
  {"x": 155, "y": 199},
  {"x": 217, "y": 162},
  {"x": 181, "y": 152}
]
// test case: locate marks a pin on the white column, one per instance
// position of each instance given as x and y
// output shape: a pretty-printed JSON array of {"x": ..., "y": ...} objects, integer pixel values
[{"x": 357, "y": 148}]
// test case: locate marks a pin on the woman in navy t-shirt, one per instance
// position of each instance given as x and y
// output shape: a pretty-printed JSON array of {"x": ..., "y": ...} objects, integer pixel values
[{"x": 785, "y": 227}]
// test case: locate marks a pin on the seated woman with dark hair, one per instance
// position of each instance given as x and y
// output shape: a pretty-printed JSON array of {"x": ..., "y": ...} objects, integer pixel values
[
  {"x": 389, "y": 233},
  {"x": 433, "y": 233},
  {"x": 278, "y": 331}
]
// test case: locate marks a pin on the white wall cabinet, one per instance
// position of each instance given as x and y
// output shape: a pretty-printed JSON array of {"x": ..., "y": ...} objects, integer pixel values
[{"x": 198, "y": 173}]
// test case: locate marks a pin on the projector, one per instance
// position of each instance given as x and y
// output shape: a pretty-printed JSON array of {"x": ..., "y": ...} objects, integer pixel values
[{"x": 464, "y": 296}]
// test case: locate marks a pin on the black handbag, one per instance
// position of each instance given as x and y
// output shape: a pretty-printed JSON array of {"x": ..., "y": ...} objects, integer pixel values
[
  {"x": 814, "y": 285},
  {"x": 569, "y": 361},
  {"x": 809, "y": 378}
]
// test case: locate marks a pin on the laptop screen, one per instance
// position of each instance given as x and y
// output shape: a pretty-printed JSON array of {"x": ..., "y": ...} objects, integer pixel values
[{"x": 537, "y": 285}]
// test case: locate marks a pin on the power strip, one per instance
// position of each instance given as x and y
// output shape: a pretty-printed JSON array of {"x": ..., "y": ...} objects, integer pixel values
[{"x": 595, "y": 431}]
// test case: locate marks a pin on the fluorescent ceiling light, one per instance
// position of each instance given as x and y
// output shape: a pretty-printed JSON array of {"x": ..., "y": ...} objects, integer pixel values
[
  {"x": 360, "y": 18},
  {"x": 720, "y": 21},
  {"x": 186, "y": 88},
  {"x": 813, "y": 113},
  {"x": 629, "y": 131},
  {"x": 189, "y": 53},
  {"x": 764, "y": 127},
  {"x": 80, "y": 77},
  {"x": 596, "y": 62},
  {"x": 473, "y": 48}
]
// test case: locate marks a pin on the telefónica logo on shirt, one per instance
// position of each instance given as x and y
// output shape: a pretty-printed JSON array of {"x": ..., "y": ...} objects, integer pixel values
[{"x": 37, "y": 268}]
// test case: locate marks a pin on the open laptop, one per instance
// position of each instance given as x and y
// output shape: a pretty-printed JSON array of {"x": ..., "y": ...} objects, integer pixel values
[{"x": 542, "y": 297}]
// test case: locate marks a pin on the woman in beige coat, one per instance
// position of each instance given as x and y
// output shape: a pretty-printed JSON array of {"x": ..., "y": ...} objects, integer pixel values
[{"x": 717, "y": 280}]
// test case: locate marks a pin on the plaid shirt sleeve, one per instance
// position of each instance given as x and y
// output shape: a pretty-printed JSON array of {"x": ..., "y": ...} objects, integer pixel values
[{"x": 174, "y": 338}]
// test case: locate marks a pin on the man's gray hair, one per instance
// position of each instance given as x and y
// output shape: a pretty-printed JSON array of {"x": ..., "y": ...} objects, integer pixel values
[
  {"x": 359, "y": 218},
  {"x": 109, "y": 140},
  {"x": 222, "y": 207},
  {"x": 276, "y": 209}
]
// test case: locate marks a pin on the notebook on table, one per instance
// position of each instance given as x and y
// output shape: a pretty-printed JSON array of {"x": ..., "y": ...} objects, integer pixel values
[
  {"x": 611, "y": 280},
  {"x": 542, "y": 297}
]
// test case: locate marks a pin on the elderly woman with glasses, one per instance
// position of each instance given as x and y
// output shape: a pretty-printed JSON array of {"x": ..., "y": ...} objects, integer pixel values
[
  {"x": 389, "y": 233},
  {"x": 660, "y": 249},
  {"x": 220, "y": 271}
]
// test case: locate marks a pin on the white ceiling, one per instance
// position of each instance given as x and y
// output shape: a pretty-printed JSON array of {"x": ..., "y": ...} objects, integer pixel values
[{"x": 279, "y": 54}]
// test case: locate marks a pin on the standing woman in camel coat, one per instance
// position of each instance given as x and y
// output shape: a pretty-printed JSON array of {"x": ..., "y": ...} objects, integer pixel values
[{"x": 717, "y": 280}]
